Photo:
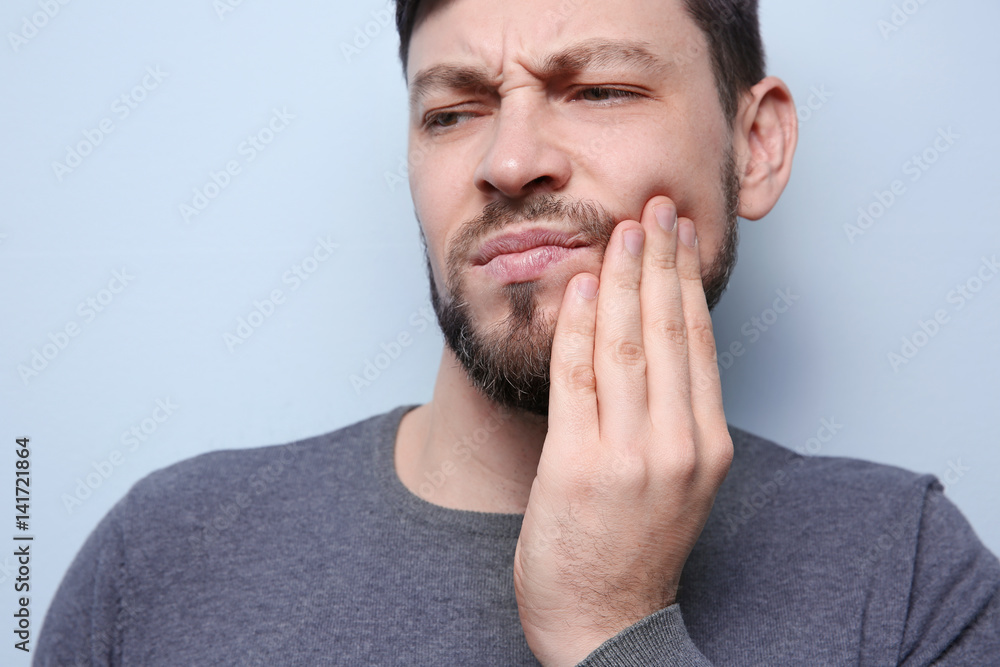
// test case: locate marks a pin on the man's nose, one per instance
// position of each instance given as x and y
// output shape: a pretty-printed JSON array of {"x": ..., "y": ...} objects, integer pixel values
[{"x": 523, "y": 155}]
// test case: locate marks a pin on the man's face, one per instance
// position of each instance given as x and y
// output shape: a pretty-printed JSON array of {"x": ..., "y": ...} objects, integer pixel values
[{"x": 561, "y": 116}]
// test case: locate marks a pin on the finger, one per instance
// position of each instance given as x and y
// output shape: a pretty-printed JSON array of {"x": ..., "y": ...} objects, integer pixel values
[
  {"x": 706, "y": 387},
  {"x": 619, "y": 360},
  {"x": 573, "y": 387},
  {"x": 663, "y": 324}
]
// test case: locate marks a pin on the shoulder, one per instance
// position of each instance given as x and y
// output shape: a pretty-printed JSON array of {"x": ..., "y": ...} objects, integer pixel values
[
  {"x": 758, "y": 460},
  {"x": 829, "y": 498},
  {"x": 206, "y": 494},
  {"x": 871, "y": 536},
  {"x": 828, "y": 514},
  {"x": 222, "y": 470}
]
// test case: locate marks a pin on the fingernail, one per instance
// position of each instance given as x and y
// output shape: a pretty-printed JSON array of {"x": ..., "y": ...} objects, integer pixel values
[
  {"x": 633, "y": 241},
  {"x": 587, "y": 287},
  {"x": 666, "y": 216},
  {"x": 686, "y": 232}
]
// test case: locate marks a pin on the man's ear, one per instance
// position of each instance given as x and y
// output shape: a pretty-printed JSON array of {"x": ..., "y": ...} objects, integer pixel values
[{"x": 765, "y": 133}]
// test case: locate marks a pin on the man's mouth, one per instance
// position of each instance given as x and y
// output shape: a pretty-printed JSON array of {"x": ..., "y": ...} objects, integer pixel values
[
  {"x": 526, "y": 240},
  {"x": 525, "y": 255}
]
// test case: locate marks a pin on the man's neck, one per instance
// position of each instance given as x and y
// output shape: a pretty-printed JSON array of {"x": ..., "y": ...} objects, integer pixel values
[{"x": 462, "y": 451}]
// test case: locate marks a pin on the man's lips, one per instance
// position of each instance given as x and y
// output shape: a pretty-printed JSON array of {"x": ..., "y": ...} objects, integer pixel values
[
  {"x": 527, "y": 255},
  {"x": 526, "y": 240}
]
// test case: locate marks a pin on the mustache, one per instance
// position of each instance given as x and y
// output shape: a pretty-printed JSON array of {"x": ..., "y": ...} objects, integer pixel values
[{"x": 594, "y": 223}]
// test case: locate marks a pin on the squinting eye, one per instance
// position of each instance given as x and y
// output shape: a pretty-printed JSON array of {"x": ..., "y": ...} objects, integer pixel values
[
  {"x": 443, "y": 120},
  {"x": 608, "y": 94}
]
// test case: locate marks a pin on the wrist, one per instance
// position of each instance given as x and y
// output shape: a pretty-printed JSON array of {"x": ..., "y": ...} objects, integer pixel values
[{"x": 571, "y": 645}]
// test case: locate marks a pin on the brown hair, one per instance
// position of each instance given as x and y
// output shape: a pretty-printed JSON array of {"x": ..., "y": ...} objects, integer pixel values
[{"x": 731, "y": 27}]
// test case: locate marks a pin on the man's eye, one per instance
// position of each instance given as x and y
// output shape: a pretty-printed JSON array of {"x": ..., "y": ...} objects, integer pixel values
[
  {"x": 606, "y": 95},
  {"x": 444, "y": 119}
]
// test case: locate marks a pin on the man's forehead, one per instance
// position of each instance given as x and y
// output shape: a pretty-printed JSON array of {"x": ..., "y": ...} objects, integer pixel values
[{"x": 482, "y": 33}]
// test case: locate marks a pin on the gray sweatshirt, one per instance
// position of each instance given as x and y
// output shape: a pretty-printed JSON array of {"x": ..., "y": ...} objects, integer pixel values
[{"x": 314, "y": 553}]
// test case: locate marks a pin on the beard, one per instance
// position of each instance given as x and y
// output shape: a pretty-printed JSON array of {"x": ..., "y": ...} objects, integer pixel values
[{"x": 509, "y": 361}]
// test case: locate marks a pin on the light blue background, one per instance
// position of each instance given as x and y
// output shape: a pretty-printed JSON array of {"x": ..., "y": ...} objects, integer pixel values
[{"x": 326, "y": 175}]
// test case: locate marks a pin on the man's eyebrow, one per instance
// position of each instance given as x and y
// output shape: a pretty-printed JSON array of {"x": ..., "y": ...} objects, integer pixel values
[
  {"x": 601, "y": 53},
  {"x": 448, "y": 77},
  {"x": 592, "y": 53}
]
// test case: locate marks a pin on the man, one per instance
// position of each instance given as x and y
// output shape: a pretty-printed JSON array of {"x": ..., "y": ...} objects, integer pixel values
[{"x": 572, "y": 494}]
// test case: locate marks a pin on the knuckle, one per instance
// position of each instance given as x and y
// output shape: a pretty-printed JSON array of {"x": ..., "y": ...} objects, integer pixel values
[
  {"x": 689, "y": 275},
  {"x": 721, "y": 458},
  {"x": 705, "y": 382},
  {"x": 627, "y": 352},
  {"x": 671, "y": 330},
  {"x": 684, "y": 463},
  {"x": 702, "y": 334},
  {"x": 627, "y": 281},
  {"x": 662, "y": 259},
  {"x": 678, "y": 455},
  {"x": 579, "y": 330},
  {"x": 581, "y": 377}
]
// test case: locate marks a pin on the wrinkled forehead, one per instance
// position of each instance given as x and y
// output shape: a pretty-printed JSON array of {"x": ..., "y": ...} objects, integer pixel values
[{"x": 497, "y": 34}]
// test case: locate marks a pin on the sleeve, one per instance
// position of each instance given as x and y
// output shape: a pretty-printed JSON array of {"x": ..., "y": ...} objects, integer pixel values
[
  {"x": 658, "y": 639},
  {"x": 83, "y": 625},
  {"x": 953, "y": 613}
]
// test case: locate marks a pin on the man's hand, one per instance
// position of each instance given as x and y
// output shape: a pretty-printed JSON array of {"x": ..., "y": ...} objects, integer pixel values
[{"x": 637, "y": 444}]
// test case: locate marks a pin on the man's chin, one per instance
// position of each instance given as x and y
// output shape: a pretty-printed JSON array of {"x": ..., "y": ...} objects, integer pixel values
[
  {"x": 517, "y": 306},
  {"x": 507, "y": 359}
]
